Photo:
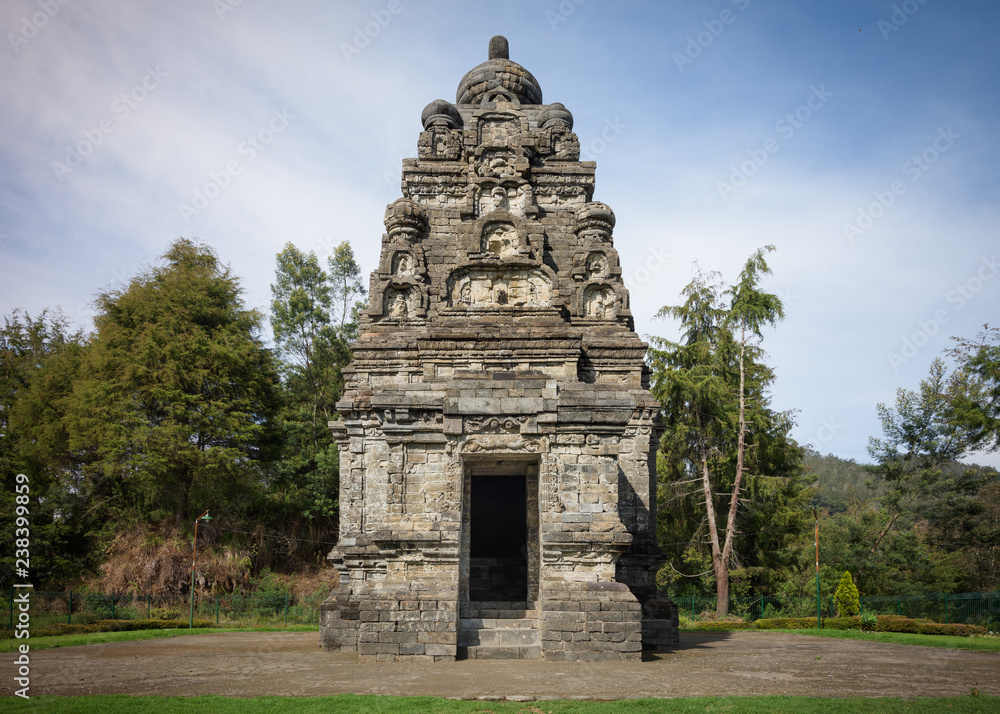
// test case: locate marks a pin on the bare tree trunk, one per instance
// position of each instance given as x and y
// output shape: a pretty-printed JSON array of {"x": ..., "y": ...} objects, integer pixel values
[
  {"x": 719, "y": 564},
  {"x": 727, "y": 550}
]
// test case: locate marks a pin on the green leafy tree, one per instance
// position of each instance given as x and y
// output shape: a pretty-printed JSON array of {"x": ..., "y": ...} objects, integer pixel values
[
  {"x": 172, "y": 408},
  {"x": 312, "y": 318},
  {"x": 920, "y": 437},
  {"x": 975, "y": 388},
  {"x": 727, "y": 464},
  {"x": 346, "y": 287},
  {"x": 906, "y": 564},
  {"x": 847, "y": 597},
  {"x": 39, "y": 359}
]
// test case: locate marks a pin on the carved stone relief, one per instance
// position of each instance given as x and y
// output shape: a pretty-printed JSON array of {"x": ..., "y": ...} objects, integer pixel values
[
  {"x": 501, "y": 442},
  {"x": 509, "y": 197},
  {"x": 496, "y": 424},
  {"x": 499, "y": 131},
  {"x": 600, "y": 302},
  {"x": 500, "y": 239},
  {"x": 401, "y": 303},
  {"x": 440, "y": 143},
  {"x": 403, "y": 264},
  {"x": 488, "y": 287}
]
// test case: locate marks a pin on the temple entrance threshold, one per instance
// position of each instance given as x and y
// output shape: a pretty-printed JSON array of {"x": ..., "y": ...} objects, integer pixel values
[{"x": 499, "y": 573}]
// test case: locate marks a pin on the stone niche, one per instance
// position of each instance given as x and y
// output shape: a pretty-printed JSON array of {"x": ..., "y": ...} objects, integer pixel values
[{"x": 497, "y": 436}]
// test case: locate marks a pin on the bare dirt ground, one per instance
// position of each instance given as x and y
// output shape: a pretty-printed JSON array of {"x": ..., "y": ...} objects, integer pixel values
[{"x": 739, "y": 663}]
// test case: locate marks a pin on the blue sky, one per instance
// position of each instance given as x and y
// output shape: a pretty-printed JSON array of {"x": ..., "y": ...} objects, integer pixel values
[{"x": 860, "y": 138}]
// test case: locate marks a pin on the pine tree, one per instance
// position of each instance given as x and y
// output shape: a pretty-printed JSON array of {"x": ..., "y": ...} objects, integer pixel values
[
  {"x": 847, "y": 597},
  {"x": 173, "y": 405},
  {"x": 720, "y": 434}
]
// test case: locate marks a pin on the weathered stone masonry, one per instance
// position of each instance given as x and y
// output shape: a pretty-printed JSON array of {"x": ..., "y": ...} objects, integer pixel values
[{"x": 497, "y": 436}]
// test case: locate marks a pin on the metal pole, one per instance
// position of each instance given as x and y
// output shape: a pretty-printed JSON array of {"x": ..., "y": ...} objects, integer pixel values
[
  {"x": 194, "y": 560},
  {"x": 819, "y": 614}
]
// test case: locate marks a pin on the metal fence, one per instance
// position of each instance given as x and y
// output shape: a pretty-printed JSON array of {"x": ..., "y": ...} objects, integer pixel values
[
  {"x": 231, "y": 610},
  {"x": 967, "y": 608},
  {"x": 280, "y": 608}
]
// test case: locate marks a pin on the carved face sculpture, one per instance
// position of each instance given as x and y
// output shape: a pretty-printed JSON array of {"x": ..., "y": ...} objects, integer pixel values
[{"x": 597, "y": 264}]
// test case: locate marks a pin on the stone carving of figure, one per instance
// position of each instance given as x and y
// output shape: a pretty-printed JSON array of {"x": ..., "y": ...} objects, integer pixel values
[
  {"x": 500, "y": 294},
  {"x": 399, "y": 306},
  {"x": 600, "y": 303},
  {"x": 465, "y": 293},
  {"x": 499, "y": 198}
]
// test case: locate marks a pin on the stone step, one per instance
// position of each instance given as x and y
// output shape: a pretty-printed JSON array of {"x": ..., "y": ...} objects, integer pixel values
[
  {"x": 490, "y": 637},
  {"x": 499, "y": 610},
  {"x": 489, "y": 623},
  {"x": 489, "y": 652}
]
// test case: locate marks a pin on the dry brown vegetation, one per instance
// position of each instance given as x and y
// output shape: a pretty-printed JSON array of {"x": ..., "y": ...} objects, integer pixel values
[{"x": 156, "y": 560}]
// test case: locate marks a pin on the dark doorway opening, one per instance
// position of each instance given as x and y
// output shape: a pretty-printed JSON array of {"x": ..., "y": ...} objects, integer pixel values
[{"x": 498, "y": 549}]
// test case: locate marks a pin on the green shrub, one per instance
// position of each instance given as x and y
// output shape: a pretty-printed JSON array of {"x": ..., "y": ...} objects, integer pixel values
[
  {"x": 115, "y": 626},
  {"x": 895, "y": 623},
  {"x": 724, "y": 625},
  {"x": 847, "y": 597},
  {"x": 937, "y": 628},
  {"x": 868, "y": 621},
  {"x": 785, "y": 623},
  {"x": 61, "y": 628}
]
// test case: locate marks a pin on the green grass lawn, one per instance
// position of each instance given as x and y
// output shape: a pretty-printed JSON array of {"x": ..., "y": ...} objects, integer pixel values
[
  {"x": 977, "y": 643},
  {"x": 44, "y": 643},
  {"x": 982, "y": 644},
  {"x": 369, "y": 704}
]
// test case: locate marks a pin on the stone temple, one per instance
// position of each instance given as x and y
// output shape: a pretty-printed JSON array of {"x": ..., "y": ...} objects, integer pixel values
[{"x": 498, "y": 439}]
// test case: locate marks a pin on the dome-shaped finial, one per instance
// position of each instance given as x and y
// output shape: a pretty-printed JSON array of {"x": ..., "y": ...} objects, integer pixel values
[{"x": 499, "y": 49}]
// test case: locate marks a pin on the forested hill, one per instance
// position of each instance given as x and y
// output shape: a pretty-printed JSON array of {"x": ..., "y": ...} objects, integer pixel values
[{"x": 841, "y": 483}]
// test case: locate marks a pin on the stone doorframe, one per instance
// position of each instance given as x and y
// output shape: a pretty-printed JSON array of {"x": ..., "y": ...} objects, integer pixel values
[{"x": 508, "y": 464}]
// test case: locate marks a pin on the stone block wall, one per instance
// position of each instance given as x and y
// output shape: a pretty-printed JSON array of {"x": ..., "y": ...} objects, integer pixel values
[{"x": 591, "y": 621}]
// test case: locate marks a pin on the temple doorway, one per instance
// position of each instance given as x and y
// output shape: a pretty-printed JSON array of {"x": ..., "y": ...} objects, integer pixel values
[{"x": 500, "y": 532}]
